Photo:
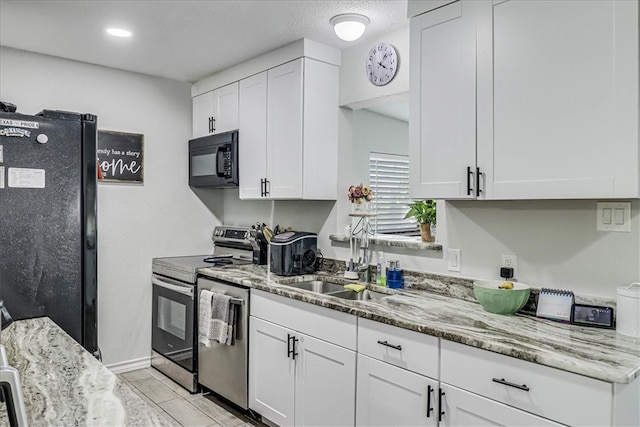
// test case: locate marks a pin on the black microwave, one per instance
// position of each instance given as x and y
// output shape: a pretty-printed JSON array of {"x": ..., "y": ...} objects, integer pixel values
[{"x": 213, "y": 160}]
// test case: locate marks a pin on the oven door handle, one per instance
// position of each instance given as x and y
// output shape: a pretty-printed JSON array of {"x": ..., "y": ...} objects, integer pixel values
[{"x": 184, "y": 290}]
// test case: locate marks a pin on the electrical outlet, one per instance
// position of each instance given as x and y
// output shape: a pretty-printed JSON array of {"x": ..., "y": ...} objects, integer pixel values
[
  {"x": 454, "y": 260},
  {"x": 510, "y": 261}
]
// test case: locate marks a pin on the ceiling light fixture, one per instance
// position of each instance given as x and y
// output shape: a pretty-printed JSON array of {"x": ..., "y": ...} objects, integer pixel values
[
  {"x": 118, "y": 32},
  {"x": 349, "y": 26}
]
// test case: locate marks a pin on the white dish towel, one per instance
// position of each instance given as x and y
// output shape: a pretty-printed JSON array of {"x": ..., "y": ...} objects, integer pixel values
[
  {"x": 204, "y": 318},
  {"x": 216, "y": 318},
  {"x": 220, "y": 328}
]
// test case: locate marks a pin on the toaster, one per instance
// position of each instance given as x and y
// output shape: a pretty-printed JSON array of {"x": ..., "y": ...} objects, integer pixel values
[{"x": 293, "y": 252}]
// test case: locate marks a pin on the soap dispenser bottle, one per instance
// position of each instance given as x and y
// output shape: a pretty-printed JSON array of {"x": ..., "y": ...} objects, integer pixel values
[
  {"x": 381, "y": 270},
  {"x": 394, "y": 275}
]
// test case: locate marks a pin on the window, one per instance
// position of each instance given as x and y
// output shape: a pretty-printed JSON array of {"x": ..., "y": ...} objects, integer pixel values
[{"x": 389, "y": 179}]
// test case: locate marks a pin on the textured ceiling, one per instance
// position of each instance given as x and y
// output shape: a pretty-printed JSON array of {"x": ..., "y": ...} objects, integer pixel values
[{"x": 182, "y": 40}]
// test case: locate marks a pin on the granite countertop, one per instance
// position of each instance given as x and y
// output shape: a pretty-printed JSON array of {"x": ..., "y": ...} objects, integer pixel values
[
  {"x": 64, "y": 385},
  {"x": 597, "y": 353}
]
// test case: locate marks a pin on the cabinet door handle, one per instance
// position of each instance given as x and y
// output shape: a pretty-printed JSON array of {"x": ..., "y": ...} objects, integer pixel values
[
  {"x": 262, "y": 186},
  {"x": 397, "y": 347},
  {"x": 469, "y": 175},
  {"x": 212, "y": 122},
  {"x": 294, "y": 346},
  {"x": 267, "y": 187},
  {"x": 510, "y": 384},
  {"x": 291, "y": 346},
  {"x": 440, "y": 407},
  {"x": 478, "y": 190},
  {"x": 429, "y": 408}
]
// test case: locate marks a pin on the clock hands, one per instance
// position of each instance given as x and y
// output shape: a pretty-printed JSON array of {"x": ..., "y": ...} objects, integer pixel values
[{"x": 381, "y": 63}]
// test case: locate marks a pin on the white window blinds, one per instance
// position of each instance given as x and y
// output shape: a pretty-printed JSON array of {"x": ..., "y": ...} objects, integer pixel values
[{"x": 389, "y": 179}]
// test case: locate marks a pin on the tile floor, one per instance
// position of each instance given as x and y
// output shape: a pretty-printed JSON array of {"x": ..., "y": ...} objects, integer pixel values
[{"x": 182, "y": 407}]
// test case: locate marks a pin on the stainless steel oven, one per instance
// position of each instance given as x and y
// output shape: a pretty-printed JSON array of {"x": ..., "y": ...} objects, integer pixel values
[
  {"x": 174, "y": 336},
  {"x": 173, "y": 332}
]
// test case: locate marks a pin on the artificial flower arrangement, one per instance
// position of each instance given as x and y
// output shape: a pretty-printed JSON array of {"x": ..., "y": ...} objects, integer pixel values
[{"x": 360, "y": 193}]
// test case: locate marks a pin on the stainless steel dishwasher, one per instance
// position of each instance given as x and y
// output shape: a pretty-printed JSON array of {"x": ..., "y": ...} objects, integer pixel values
[{"x": 223, "y": 368}]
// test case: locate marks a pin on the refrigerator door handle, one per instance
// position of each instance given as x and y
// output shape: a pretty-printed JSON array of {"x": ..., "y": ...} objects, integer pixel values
[{"x": 184, "y": 290}]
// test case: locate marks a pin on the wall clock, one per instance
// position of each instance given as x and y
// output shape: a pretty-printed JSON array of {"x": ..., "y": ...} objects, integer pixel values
[{"x": 381, "y": 63}]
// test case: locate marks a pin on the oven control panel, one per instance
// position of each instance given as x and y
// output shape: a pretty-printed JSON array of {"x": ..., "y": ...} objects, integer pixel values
[{"x": 228, "y": 237}]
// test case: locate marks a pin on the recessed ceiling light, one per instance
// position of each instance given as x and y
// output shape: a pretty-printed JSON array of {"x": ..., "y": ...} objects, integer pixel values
[{"x": 118, "y": 32}]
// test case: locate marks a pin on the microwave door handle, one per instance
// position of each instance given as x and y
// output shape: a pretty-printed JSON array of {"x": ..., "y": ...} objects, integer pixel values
[
  {"x": 184, "y": 290},
  {"x": 220, "y": 161}
]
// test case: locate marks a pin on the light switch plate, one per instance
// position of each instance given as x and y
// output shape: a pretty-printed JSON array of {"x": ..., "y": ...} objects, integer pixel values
[
  {"x": 613, "y": 216},
  {"x": 454, "y": 259}
]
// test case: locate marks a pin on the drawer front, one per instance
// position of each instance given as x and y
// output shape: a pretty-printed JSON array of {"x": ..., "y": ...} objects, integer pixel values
[
  {"x": 400, "y": 347},
  {"x": 548, "y": 392},
  {"x": 319, "y": 322}
]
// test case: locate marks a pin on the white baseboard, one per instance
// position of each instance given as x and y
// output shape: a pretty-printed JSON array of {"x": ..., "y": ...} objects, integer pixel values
[{"x": 130, "y": 365}]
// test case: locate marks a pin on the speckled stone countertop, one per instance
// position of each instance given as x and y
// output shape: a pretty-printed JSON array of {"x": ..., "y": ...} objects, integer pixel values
[
  {"x": 406, "y": 242},
  {"x": 64, "y": 385},
  {"x": 454, "y": 315}
]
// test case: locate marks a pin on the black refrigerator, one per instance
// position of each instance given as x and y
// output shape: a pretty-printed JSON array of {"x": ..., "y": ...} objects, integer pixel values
[{"x": 48, "y": 236}]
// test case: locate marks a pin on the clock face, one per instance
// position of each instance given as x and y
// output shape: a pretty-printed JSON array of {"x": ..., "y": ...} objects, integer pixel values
[{"x": 382, "y": 63}]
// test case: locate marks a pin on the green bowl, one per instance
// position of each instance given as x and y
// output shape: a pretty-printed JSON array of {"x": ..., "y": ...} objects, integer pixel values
[{"x": 500, "y": 301}]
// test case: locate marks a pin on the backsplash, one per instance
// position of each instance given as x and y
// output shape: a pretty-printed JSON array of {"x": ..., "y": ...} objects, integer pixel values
[{"x": 458, "y": 287}]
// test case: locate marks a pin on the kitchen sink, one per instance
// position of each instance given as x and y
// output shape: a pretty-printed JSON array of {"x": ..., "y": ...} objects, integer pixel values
[
  {"x": 338, "y": 291},
  {"x": 365, "y": 295},
  {"x": 318, "y": 286}
]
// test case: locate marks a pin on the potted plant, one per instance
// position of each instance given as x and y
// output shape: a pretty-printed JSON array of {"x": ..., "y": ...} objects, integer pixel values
[{"x": 424, "y": 211}]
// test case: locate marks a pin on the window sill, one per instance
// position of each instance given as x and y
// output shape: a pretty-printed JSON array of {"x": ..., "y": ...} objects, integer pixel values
[{"x": 393, "y": 241}]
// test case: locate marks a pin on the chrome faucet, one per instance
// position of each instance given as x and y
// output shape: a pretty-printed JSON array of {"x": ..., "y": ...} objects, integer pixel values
[
  {"x": 358, "y": 243},
  {"x": 363, "y": 267}
]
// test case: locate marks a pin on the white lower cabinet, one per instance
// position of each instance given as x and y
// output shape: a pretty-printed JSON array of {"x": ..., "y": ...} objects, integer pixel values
[
  {"x": 325, "y": 384},
  {"x": 271, "y": 372},
  {"x": 391, "y": 396},
  {"x": 296, "y": 378},
  {"x": 303, "y": 372},
  {"x": 462, "y": 408},
  {"x": 397, "y": 376}
]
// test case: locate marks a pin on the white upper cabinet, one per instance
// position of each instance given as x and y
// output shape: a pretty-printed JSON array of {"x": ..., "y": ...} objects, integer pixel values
[
  {"x": 289, "y": 132},
  {"x": 442, "y": 121},
  {"x": 216, "y": 111},
  {"x": 284, "y": 130},
  {"x": 253, "y": 134},
  {"x": 540, "y": 98}
]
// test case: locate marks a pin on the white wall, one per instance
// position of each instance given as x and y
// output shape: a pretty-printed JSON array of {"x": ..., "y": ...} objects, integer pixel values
[
  {"x": 374, "y": 132},
  {"x": 163, "y": 217}
]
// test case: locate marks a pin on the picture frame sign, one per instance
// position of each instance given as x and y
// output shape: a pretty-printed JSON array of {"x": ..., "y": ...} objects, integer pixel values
[{"x": 120, "y": 157}]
